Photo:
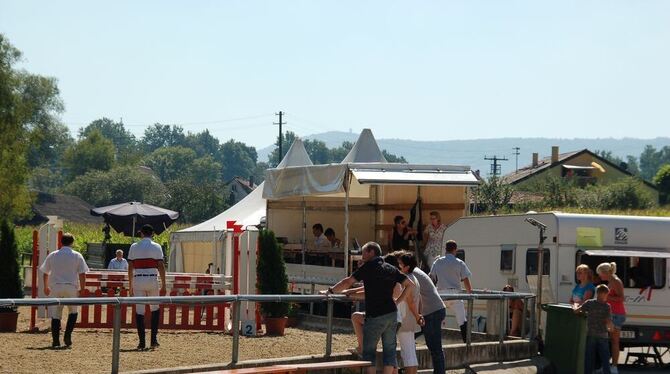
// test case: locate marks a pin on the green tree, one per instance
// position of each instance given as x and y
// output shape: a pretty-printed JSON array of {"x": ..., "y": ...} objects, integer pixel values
[
  {"x": 205, "y": 170},
  {"x": 494, "y": 194},
  {"x": 204, "y": 144},
  {"x": 651, "y": 160},
  {"x": 272, "y": 279},
  {"x": 124, "y": 141},
  {"x": 94, "y": 152},
  {"x": 390, "y": 157},
  {"x": 238, "y": 159},
  {"x": 158, "y": 136},
  {"x": 121, "y": 184},
  {"x": 662, "y": 181},
  {"x": 196, "y": 201},
  {"x": 170, "y": 162},
  {"x": 318, "y": 152},
  {"x": 630, "y": 165},
  {"x": 287, "y": 140},
  {"x": 26, "y": 101},
  {"x": 48, "y": 142},
  {"x": 339, "y": 153}
]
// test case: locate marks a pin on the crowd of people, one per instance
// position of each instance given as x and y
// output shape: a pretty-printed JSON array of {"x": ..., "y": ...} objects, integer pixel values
[
  {"x": 402, "y": 301},
  {"x": 605, "y": 315}
]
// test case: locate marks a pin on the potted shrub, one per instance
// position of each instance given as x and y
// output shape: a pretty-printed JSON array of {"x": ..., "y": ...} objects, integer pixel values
[
  {"x": 10, "y": 282},
  {"x": 272, "y": 280}
]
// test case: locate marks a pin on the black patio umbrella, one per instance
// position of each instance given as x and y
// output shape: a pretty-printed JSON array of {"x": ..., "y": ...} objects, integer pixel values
[{"x": 129, "y": 217}]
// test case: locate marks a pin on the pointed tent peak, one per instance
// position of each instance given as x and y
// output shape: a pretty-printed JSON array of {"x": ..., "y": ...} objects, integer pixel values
[
  {"x": 296, "y": 155},
  {"x": 365, "y": 149}
]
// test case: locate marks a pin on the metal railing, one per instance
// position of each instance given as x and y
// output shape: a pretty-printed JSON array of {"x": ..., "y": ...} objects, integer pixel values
[{"x": 236, "y": 301}]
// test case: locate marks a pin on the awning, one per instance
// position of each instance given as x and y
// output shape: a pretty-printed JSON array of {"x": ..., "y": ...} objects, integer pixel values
[
  {"x": 627, "y": 253},
  {"x": 463, "y": 178},
  {"x": 577, "y": 167}
]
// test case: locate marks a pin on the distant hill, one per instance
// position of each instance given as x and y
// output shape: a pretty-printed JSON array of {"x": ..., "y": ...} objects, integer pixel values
[{"x": 472, "y": 152}]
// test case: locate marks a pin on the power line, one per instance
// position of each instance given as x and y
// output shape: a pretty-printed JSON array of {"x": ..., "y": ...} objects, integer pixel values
[
  {"x": 516, "y": 153},
  {"x": 280, "y": 114},
  {"x": 495, "y": 167}
]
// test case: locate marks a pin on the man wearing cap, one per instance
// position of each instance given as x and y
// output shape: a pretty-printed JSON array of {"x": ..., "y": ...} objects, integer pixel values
[
  {"x": 145, "y": 264},
  {"x": 118, "y": 262},
  {"x": 60, "y": 271}
]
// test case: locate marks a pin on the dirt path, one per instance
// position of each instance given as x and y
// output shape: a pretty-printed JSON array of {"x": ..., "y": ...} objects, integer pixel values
[{"x": 92, "y": 349}]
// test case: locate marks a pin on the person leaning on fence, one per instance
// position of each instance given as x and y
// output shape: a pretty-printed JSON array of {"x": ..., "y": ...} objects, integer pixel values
[
  {"x": 118, "y": 262},
  {"x": 448, "y": 272},
  {"x": 145, "y": 264},
  {"x": 381, "y": 319},
  {"x": 598, "y": 322},
  {"x": 431, "y": 308},
  {"x": 60, "y": 271}
]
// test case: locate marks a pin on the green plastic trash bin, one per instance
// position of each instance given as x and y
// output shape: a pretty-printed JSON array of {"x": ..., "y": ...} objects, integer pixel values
[{"x": 565, "y": 339}]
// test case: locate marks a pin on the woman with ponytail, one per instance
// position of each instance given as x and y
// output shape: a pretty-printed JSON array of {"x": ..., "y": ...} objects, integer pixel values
[{"x": 615, "y": 298}]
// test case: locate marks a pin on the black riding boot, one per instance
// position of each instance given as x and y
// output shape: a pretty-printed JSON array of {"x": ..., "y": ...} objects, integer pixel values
[
  {"x": 155, "y": 320},
  {"x": 464, "y": 332},
  {"x": 55, "y": 333},
  {"x": 69, "y": 327},
  {"x": 139, "y": 320}
]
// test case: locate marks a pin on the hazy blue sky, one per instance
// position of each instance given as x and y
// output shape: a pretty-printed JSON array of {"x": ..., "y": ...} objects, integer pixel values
[{"x": 424, "y": 70}]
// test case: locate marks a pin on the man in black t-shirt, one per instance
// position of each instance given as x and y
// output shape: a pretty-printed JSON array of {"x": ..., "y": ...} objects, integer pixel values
[{"x": 381, "y": 314}]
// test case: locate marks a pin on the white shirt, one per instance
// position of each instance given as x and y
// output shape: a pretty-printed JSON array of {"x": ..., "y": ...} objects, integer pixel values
[
  {"x": 449, "y": 271},
  {"x": 64, "y": 266},
  {"x": 322, "y": 243},
  {"x": 145, "y": 248},
  {"x": 117, "y": 264}
]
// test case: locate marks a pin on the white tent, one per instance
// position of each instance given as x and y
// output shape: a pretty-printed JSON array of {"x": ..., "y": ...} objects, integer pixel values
[
  {"x": 193, "y": 248},
  {"x": 364, "y": 181}
]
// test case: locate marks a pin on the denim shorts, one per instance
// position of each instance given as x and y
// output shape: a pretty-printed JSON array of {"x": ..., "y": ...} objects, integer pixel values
[
  {"x": 383, "y": 327},
  {"x": 618, "y": 320}
]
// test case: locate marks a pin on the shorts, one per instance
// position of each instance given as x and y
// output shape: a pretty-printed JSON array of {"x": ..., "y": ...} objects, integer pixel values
[
  {"x": 59, "y": 291},
  {"x": 407, "y": 348},
  {"x": 618, "y": 320}
]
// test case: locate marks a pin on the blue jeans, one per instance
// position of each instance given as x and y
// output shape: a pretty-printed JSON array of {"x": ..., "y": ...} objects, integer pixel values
[
  {"x": 432, "y": 332},
  {"x": 600, "y": 345},
  {"x": 383, "y": 327}
]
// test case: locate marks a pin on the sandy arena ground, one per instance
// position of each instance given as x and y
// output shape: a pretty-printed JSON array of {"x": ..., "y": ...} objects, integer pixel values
[{"x": 91, "y": 351}]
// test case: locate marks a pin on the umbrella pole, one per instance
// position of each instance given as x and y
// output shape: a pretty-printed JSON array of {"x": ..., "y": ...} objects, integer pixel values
[
  {"x": 346, "y": 225},
  {"x": 134, "y": 218}
]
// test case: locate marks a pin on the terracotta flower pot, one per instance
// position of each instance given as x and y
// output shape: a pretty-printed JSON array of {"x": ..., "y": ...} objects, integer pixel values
[
  {"x": 8, "y": 321},
  {"x": 275, "y": 326},
  {"x": 292, "y": 321}
]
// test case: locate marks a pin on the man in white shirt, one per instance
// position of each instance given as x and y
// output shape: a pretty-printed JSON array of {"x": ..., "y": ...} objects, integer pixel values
[
  {"x": 448, "y": 272},
  {"x": 320, "y": 240},
  {"x": 118, "y": 262},
  {"x": 64, "y": 274},
  {"x": 145, "y": 260}
]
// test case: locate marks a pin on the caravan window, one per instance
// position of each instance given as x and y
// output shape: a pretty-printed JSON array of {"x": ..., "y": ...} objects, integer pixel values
[
  {"x": 531, "y": 261},
  {"x": 460, "y": 254},
  {"x": 507, "y": 258},
  {"x": 635, "y": 272}
]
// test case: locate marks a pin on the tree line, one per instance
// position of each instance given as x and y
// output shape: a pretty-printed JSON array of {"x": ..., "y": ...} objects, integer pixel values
[{"x": 104, "y": 163}]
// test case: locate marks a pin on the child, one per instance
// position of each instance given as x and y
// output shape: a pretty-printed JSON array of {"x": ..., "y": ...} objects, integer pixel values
[{"x": 599, "y": 322}]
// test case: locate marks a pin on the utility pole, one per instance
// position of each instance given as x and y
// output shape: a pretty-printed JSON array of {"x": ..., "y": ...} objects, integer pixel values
[
  {"x": 495, "y": 167},
  {"x": 516, "y": 153},
  {"x": 281, "y": 154}
]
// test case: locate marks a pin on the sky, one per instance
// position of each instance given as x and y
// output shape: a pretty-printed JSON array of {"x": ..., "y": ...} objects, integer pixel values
[{"x": 421, "y": 70}]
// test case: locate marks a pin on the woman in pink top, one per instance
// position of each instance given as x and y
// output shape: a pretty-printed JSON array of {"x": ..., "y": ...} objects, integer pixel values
[{"x": 615, "y": 297}]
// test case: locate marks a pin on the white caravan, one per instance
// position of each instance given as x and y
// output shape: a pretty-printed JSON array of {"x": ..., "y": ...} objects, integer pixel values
[{"x": 502, "y": 250}]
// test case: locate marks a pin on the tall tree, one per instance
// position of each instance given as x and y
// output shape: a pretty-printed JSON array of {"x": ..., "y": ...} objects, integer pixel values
[
  {"x": 338, "y": 154},
  {"x": 238, "y": 159},
  {"x": 48, "y": 142},
  {"x": 651, "y": 160},
  {"x": 390, "y": 157},
  {"x": 662, "y": 180},
  {"x": 124, "y": 141},
  {"x": 204, "y": 144},
  {"x": 318, "y": 152},
  {"x": 26, "y": 101},
  {"x": 170, "y": 162},
  {"x": 158, "y": 136},
  {"x": 118, "y": 185},
  {"x": 94, "y": 152}
]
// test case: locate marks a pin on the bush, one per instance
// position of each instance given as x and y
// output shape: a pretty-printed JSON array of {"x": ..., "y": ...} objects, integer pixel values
[
  {"x": 272, "y": 279},
  {"x": 10, "y": 283},
  {"x": 662, "y": 180},
  {"x": 626, "y": 194}
]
